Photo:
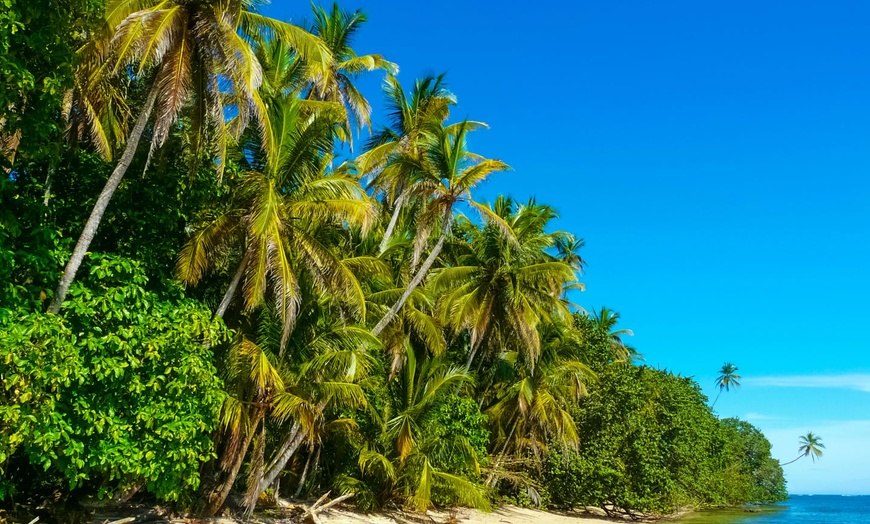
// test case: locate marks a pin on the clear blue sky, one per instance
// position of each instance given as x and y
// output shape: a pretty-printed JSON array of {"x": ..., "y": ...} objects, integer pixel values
[{"x": 714, "y": 155}]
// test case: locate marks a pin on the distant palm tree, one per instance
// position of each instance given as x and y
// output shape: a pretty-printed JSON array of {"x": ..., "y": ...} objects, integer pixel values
[
  {"x": 727, "y": 379},
  {"x": 606, "y": 321},
  {"x": 811, "y": 446}
]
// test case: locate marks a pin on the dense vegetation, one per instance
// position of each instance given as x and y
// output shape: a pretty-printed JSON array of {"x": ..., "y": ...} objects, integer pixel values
[{"x": 204, "y": 299}]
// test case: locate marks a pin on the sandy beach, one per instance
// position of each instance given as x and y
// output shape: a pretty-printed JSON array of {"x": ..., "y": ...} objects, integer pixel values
[{"x": 502, "y": 515}]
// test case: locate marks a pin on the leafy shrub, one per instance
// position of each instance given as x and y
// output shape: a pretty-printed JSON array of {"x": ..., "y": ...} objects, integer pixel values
[{"x": 120, "y": 391}]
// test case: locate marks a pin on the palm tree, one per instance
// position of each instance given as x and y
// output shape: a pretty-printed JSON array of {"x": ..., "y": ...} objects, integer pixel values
[
  {"x": 446, "y": 175},
  {"x": 606, "y": 321},
  {"x": 411, "y": 117},
  {"x": 284, "y": 204},
  {"x": 535, "y": 401},
  {"x": 295, "y": 391},
  {"x": 405, "y": 458},
  {"x": 727, "y": 379},
  {"x": 337, "y": 29},
  {"x": 810, "y": 446},
  {"x": 187, "y": 49},
  {"x": 504, "y": 288}
]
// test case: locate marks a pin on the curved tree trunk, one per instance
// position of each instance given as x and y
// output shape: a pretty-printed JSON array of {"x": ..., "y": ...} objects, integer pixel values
[
  {"x": 265, "y": 477},
  {"x": 392, "y": 225},
  {"x": 716, "y": 399},
  {"x": 84, "y": 242},
  {"x": 234, "y": 284},
  {"x": 795, "y": 460},
  {"x": 418, "y": 278}
]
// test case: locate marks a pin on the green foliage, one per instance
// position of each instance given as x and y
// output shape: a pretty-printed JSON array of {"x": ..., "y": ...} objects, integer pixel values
[
  {"x": 38, "y": 42},
  {"x": 30, "y": 249},
  {"x": 426, "y": 360},
  {"x": 457, "y": 418},
  {"x": 752, "y": 474},
  {"x": 649, "y": 442},
  {"x": 121, "y": 391}
]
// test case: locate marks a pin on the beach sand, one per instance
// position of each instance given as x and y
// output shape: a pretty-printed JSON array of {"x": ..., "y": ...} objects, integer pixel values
[{"x": 502, "y": 515}]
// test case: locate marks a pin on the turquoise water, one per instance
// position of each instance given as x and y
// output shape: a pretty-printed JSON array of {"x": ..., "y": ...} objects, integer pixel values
[{"x": 799, "y": 509}]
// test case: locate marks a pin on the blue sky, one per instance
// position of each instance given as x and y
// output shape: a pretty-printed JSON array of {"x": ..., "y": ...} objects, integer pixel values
[{"x": 714, "y": 156}]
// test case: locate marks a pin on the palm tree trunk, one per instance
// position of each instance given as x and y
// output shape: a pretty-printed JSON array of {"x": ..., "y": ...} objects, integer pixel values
[
  {"x": 392, "y": 225},
  {"x": 716, "y": 399},
  {"x": 231, "y": 290},
  {"x": 304, "y": 475},
  {"x": 491, "y": 478},
  {"x": 471, "y": 356},
  {"x": 84, "y": 242},
  {"x": 795, "y": 460},
  {"x": 217, "y": 497},
  {"x": 288, "y": 449},
  {"x": 49, "y": 178},
  {"x": 257, "y": 458},
  {"x": 418, "y": 278}
]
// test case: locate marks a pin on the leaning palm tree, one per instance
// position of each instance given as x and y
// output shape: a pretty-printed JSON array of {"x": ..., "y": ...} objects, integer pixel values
[
  {"x": 446, "y": 173},
  {"x": 187, "y": 50},
  {"x": 411, "y": 116},
  {"x": 728, "y": 378},
  {"x": 810, "y": 446}
]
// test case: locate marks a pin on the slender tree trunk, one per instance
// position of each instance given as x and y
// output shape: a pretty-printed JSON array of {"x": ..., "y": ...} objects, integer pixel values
[
  {"x": 795, "y": 460},
  {"x": 217, "y": 497},
  {"x": 304, "y": 475},
  {"x": 418, "y": 278},
  {"x": 313, "y": 472},
  {"x": 716, "y": 399},
  {"x": 492, "y": 474},
  {"x": 392, "y": 225},
  {"x": 277, "y": 465},
  {"x": 234, "y": 284},
  {"x": 471, "y": 356},
  {"x": 252, "y": 494},
  {"x": 84, "y": 242},
  {"x": 49, "y": 178}
]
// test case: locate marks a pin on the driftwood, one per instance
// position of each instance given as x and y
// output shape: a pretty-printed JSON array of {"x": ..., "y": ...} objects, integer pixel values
[{"x": 311, "y": 513}]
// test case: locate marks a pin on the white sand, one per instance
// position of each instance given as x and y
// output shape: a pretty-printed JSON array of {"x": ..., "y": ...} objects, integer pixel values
[{"x": 503, "y": 515}]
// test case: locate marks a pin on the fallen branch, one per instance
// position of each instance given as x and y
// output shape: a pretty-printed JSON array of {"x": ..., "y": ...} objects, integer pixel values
[{"x": 311, "y": 513}]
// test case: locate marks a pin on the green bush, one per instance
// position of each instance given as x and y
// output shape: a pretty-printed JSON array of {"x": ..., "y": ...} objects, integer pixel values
[
  {"x": 120, "y": 391},
  {"x": 648, "y": 441}
]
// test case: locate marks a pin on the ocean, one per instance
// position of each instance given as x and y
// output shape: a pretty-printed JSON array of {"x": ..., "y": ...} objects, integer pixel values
[{"x": 798, "y": 509}]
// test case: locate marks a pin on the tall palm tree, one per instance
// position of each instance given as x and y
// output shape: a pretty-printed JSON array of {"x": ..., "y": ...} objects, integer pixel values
[
  {"x": 337, "y": 28},
  {"x": 810, "y": 446},
  {"x": 504, "y": 288},
  {"x": 446, "y": 173},
  {"x": 187, "y": 49},
  {"x": 411, "y": 117},
  {"x": 728, "y": 378},
  {"x": 280, "y": 212}
]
